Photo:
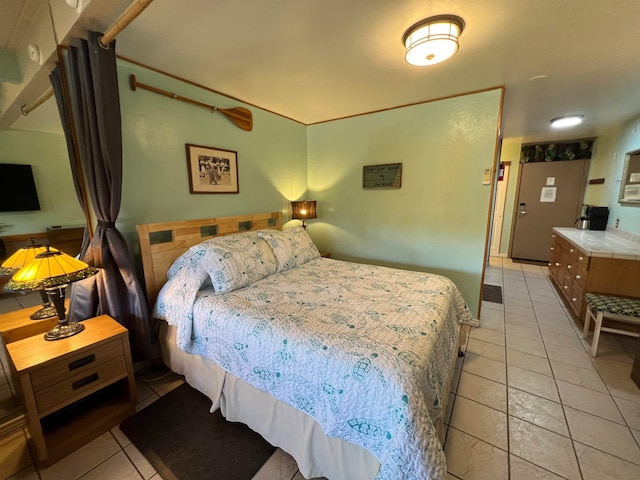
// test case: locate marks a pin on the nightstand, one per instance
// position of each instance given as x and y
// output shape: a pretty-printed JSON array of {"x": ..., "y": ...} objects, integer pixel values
[
  {"x": 17, "y": 325},
  {"x": 325, "y": 254},
  {"x": 76, "y": 388}
]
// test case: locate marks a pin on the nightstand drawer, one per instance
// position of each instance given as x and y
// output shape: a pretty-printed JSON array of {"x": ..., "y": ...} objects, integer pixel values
[
  {"x": 75, "y": 364},
  {"x": 74, "y": 389},
  {"x": 55, "y": 396}
]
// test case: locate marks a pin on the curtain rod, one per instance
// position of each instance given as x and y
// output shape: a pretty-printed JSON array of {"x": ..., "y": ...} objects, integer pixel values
[{"x": 129, "y": 15}]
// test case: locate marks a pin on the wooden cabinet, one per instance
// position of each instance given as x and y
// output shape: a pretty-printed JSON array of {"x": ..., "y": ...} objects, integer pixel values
[
  {"x": 67, "y": 240},
  {"x": 76, "y": 388},
  {"x": 17, "y": 325},
  {"x": 575, "y": 272}
]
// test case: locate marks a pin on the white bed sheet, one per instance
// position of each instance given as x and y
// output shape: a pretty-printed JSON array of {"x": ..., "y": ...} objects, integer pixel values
[
  {"x": 382, "y": 338},
  {"x": 281, "y": 425}
]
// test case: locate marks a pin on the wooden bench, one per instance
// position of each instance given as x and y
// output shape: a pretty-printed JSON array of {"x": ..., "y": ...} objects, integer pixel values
[{"x": 600, "y": 306}]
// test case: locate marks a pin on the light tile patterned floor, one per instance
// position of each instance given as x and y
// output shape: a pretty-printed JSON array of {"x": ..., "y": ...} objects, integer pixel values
[
  {"x": 528, "y": 402},
  {"x": 531, "y": 402}
]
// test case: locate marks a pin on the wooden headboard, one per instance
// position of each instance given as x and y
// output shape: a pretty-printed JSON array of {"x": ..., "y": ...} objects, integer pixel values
[{"x": 162, "y": 243}]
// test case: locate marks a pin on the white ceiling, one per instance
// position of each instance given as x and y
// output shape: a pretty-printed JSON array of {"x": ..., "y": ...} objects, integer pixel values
[{"x": 314, "y": 60}]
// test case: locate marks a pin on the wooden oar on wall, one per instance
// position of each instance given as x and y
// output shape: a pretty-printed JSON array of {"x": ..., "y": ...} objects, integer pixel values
[{"x": 242, "y": 117}]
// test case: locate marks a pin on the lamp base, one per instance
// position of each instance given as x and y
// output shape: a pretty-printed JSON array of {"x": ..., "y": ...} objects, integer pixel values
[
  {"x": 44, "y": 312},
  {"x": 63, "y": 331}
]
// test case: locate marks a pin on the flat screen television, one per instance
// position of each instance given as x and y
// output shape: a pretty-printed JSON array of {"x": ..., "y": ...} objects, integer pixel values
[{"x": 17, "y": 188}]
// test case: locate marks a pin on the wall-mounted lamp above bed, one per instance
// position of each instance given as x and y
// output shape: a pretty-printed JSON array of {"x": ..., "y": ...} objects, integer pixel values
[{"x": 303, "y": 210}]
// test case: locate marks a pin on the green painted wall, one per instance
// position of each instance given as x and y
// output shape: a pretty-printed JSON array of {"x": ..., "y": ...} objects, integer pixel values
[
  {"x": 47, "y": 154},
  {"x": 437, "y": 221},
  {"x": 272, "y": 159},
  {"x": 608, "y": 163}
]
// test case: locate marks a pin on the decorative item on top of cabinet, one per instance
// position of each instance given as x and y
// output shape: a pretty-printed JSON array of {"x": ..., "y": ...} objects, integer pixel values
[{"x": 576, "y": 271}]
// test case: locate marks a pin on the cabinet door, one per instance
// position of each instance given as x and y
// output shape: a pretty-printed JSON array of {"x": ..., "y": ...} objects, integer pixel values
[
  {"x": 575, "y": 299},
  {"x": 567, "y": 285},
  {"x": 555, "y": 261},
  {"x": 579, "y": 275},
  {"x": 582, "y": 259}
]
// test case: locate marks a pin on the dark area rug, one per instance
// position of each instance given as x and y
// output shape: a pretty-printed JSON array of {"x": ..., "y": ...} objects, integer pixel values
[
  {"x": 492, "y": 293},
  {"x": 183, "y": 441}
]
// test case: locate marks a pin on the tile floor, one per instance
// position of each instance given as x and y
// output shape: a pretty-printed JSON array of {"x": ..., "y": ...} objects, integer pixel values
[
  {"x": 531, "y": 403},
  {"x": 528, "y": 402}
]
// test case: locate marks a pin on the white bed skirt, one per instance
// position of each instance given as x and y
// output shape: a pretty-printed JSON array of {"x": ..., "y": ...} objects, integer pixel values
[{"x": 283, "y": 426}]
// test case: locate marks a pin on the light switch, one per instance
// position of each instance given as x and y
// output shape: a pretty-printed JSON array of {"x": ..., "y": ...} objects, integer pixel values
[{"x": 486, "y": 177}]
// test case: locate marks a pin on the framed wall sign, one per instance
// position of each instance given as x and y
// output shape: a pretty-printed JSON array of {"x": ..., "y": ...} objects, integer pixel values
[
  {"x": 212, "y": 170},
  {"x": 385, "y": 175}
]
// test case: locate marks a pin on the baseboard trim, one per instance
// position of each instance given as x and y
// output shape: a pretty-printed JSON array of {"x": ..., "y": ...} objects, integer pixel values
[
  {"x": 503, "y": 255},
  {"x": 474, "y": 323}
]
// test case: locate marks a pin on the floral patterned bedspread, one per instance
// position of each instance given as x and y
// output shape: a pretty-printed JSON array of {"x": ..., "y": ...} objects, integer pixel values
[{"x": 365, "y": 350}]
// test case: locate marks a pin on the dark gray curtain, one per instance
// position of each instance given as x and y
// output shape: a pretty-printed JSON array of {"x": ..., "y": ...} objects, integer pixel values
[
  {"x": 95, "y": 105},
  {"x": 76, "y": 174}
]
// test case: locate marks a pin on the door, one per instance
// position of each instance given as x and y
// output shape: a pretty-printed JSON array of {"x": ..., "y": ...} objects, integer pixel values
[
  {"x": 550, "y": 194},
  {"x": 498, "y": 211}
]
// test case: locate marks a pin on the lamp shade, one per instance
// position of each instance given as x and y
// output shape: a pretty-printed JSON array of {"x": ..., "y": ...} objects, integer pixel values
[
  {"x": 22, "y": 257},
  {"x": 303, "y": 210},
  {"x": 432, "y": 40},
  {"x": 49, "y": 269}
]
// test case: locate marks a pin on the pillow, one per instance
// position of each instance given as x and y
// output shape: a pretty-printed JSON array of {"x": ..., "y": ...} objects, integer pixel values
[
  {"x": 292, "y": 247},
  {"x": 231, "y": 261}
]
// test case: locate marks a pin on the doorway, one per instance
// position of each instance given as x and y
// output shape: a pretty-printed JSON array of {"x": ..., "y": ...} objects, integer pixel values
[
  {"x": 550, "y": 194},
  {"x": 498, "y": 211}
]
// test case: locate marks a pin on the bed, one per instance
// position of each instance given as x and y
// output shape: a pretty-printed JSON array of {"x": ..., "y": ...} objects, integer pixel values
[{"x": 346, "y": 367}]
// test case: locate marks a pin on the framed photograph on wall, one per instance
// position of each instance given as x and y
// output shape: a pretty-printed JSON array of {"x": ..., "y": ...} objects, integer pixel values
[{"x": 212, "y": 170}]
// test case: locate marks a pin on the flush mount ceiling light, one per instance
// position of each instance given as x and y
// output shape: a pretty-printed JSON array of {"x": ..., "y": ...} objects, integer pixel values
[
  {"x": 432, "y": 40},
  {"x": 567, "y": 121}
]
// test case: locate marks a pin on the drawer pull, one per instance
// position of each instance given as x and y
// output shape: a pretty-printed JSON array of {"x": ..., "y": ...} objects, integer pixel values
[
  {"x": 84, "y": 381},
  {"x": 571, "y": 250},
  {"x": 574, "y": 299},
  {"x": 577, "y": 277},
  {"x": 580, "y": 258},
  {"x": 569, "y": 267},
  {"x": 557, "y": 264},
  {"x": 551, "y": 248},
  {"x": 81, "y": 362},
  {"x": 566, "y": 286}
]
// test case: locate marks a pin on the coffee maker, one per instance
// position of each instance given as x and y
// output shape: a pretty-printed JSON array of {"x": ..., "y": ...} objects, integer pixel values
[
  {"x": 582, "y": 222},
  {"x": 597, "y": 217}
]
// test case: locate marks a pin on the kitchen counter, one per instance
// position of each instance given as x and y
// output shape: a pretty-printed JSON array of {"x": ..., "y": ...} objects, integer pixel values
[
  {"x": 600, "y": 243},
  {"x": 596, "y": 261}
]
